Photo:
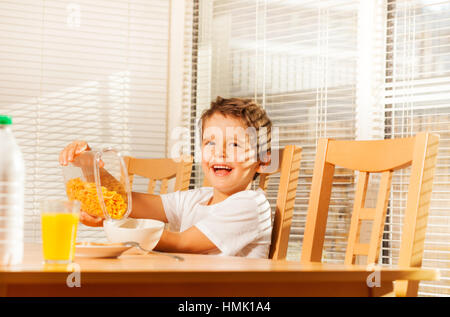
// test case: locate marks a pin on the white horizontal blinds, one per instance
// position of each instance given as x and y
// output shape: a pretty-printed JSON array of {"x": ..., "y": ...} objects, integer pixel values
[
  {"x": 298, "y": 59},
  {"x": 190, "y": 82},
  {"x": 187, "y": 65},
  {"x": 309, "y": 92},
  {"x": 417, "y": 99},
  {"x": 202, "y": 79},
  {"x": 196, "y": 95},
  {"x": 87, "y": 70}
]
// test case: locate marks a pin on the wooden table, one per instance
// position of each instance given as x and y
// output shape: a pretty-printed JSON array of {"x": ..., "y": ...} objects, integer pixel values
[{"x": 199, "y": 275}]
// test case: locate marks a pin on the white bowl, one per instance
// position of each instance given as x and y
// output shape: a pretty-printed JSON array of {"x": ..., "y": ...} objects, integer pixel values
[{"x": 146, "y": 232}]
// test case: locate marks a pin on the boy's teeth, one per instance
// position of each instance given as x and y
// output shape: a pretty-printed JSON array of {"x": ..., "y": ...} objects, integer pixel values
[{"x": 221, "y": 167}]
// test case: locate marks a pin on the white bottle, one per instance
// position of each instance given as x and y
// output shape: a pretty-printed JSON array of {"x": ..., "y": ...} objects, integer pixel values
[{"x": 12, "y": 183}]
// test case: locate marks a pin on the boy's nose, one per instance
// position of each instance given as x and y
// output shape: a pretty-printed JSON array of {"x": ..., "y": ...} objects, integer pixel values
[{"x": 220, "y": 155}]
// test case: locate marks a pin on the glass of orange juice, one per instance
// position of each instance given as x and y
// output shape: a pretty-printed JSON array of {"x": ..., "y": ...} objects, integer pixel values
[{"x": 59, "y": 222}]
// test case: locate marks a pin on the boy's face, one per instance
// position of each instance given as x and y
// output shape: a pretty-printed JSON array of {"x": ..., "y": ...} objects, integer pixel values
[{"x": 228, "y": 158}]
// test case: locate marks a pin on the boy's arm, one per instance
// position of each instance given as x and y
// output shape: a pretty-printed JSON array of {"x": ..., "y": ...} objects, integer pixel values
[
  {"x": 150, "y": 206},
  {"x": 188, "y": 241},
  {"x": 147, "y": 206},
  {"x": 191, "y": 240}
]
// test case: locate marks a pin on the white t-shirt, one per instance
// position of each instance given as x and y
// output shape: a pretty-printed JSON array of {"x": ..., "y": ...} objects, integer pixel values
[{"x": 241, "y": 225}]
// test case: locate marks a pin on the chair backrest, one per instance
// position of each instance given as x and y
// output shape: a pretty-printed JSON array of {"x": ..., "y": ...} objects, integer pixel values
[
  {"x": 289, "y": 168},
  {"x": 161, "y": 169},
  {"x": 380, "y": 156}
]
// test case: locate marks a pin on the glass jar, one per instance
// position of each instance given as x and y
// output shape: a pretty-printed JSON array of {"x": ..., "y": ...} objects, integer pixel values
[{"x": 99, "y": 180}]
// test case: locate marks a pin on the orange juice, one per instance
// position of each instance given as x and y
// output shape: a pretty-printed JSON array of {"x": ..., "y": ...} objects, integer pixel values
[{"x": 59, "y": 232}]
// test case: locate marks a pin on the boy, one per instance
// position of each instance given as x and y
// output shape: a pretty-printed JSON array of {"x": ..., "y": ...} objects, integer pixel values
[{"x": 226, "y": 218}]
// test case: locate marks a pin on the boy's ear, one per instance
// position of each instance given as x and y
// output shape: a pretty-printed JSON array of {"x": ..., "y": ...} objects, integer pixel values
[{"x": 264, "y": 163}]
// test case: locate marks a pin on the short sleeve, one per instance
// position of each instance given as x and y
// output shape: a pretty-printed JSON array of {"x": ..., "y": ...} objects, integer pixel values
[
  {"x": 171, "y": 203},
  {"x": 232, "y": 225}
]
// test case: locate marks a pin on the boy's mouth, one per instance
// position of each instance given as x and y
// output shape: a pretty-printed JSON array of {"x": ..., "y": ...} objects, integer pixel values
[{"x": 221, "y": 169}]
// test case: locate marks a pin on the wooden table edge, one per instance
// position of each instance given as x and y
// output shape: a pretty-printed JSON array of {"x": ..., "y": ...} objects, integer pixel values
[{"x": 104, "y": 277}]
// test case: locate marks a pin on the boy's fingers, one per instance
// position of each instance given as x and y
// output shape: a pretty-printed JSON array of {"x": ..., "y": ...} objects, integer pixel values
[
  {"x": 81, "y": 147},
  {"x": 71, "y": 150},
  {"x": 92, "y": 219},
  {"x": 71, "y": 153},
  {"x": 89, "y": 220},
  {"x": 63, "y": 155}
]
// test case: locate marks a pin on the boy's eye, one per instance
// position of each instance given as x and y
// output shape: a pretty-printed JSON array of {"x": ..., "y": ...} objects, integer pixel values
[
  {"x": 210, "y": 143},
  {"x": 234, "y": 144}
]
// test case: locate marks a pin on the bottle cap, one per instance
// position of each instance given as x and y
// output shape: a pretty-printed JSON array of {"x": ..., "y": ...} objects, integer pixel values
[{"x": 5, "y": 120}]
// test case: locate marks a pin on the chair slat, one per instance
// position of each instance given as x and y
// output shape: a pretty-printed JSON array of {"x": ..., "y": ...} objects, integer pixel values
[
  {"x": 417, "y": 206},
  {"x": 367, "y": 214},
  {"x": 287, "y": 189},
  {"x": 370, "y": 156},
  {"x": 319, "y": 201},
  {"x": 183, "y": 175},
  {"x": 164, "y": 186},
  {"x": 380, "y": 217},
  {"x": 360, "y": 198},
  {"x": 151, "y": 186},
  {"x": 153, "y": 168},
  {"x": 361, "y": 249}
]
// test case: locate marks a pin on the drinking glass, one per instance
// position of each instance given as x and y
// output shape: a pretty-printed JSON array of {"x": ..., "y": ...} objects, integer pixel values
[{"x": 59, "y": 222}]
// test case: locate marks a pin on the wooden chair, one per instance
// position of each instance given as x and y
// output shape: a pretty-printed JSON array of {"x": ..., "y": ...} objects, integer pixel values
[
  {"x": 289, "y": 168},
  {"x": 384, "y": 156},
  {"x": 161, "y": 169}
]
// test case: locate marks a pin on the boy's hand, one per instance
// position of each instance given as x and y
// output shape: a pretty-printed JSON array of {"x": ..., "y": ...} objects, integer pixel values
[
  {"x": 89, "y": 220},
  {"x": 71, "y": 151}
]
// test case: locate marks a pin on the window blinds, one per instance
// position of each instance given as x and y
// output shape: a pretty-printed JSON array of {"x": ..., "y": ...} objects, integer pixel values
[
  {"x": 344, "y": 70},
  {"x": 190, "y": 79},
  {"x": 298, "y": 60},
  {"x": 87, "y": 70},
  {"x": 417, "y": 99}
]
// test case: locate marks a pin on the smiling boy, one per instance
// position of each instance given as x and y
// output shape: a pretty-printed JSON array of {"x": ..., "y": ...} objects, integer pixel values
[{"x": 225, "y": 218}]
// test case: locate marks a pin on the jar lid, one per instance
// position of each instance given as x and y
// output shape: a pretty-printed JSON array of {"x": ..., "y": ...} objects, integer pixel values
[{"x": 6, "y": 120}]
